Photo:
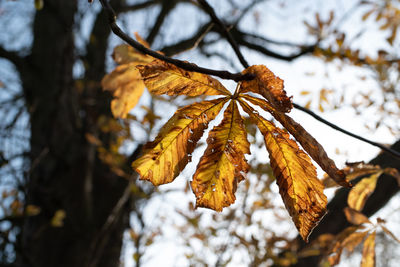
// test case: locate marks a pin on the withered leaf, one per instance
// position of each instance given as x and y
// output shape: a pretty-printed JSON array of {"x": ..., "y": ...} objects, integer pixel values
[
  {"x": 296, "y": 176},
  {"x": 355, "y": 217},
  {"x": 168, "y": 154},
  {"x": 164, "y": 78},
  {"x": 223, "y": 164},
  {"x": 353, "y": 240},
  {"x": 387, "y": 231},
  {"x": 127, "y": 86},
  {"x": 359, "y": 194},
  {"x": 125, "y": 81},
  {"x": 268, "y": 85},
  {"x": 368, "y": 253},
  {"x": 124, "y": 54},
  {"x": 307, "y": 141}
]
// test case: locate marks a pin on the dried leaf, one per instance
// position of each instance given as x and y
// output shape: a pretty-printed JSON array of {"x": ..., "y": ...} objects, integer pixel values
[
  {"x": 223, "y": 164},
  {"x": 308, "y": 142},
  {"x": 359, "y": 194},
  {"x": 387, "y": 231},
  {"x": 268, "y": 85},
  {"x": 168, "y": 154},
  {"x": 124, "y": 54},
  {"x": 338, "y": 247},
  {"x": 368, "y": 254},
  {"x": 164, "y": 78},
  {"x": 296, "y": 176},
  {"x": 355, "y": 217},
  {"x": 127, "y": 86},
  {"x": 353, "y": 240}
]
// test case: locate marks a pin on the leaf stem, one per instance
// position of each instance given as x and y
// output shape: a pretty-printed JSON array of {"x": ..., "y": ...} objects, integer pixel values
[{"x": 319, "y": 118}]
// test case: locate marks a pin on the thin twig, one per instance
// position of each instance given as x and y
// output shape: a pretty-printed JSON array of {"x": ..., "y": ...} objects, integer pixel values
[
  {"x": 181, "y": 64},
  {"x": 210, "y": 11},
  {"x": 319, "y": 118}
]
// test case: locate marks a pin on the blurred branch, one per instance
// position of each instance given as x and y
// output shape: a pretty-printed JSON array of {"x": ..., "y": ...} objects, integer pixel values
[
  {"x": 12, "y": 56},
  {"x": 181, "y": 64},
  {"x": 136, "y": 7},
  {"x": 167, "y": 7},
  {"x": 223, "y": 28}
]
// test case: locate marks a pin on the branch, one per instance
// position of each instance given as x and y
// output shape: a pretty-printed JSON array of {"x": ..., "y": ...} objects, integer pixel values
[
  {"x": 165, "y": 10},
  {"x": 181, "y": 64},
  {"x": 227, "y": 34},
  {"x": 136, "y": 7},
  {"x": 12, "y": 56},
  {"x": 319, "y": 118}
]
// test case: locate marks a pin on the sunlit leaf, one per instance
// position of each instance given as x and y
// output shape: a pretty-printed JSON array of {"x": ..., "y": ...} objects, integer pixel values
[
  {"x": 308, "y": 142},
  {"x": 359, "y": 194},
  {"x": 127, "y": 86},
  {"x": 124, "y": 54},
  {"x": 296, "y": 176},
  {"x": 164, "y": 78},
  {"x": 223, "y": 164},
  {"x": 355, "y": 217},
  {"x": 268, "y": 85},
  {"x": 368, "y": 253},
  {"x": 168, "y": 154}
]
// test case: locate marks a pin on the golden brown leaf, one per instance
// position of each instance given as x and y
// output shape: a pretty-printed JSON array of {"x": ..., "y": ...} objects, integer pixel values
[
  {"x": 337, "y": 248},
  {"x": 223, "y": 164},
  {"x": 355, "y": 217},
  {"x": 359, "y": 194},
  {"x": 124, "y": 54},
  {"x": 387, "y": 231},
  {"x": 168, "y": 154},
  {"x": 125, "y": 81},
  {"x": 268, "y": 85},
  {"x": 164, "y": 78},
  {"x": 353, "y": 240},
  {"x": 296, "y": 176},
  {"x": 308, "y": 142},
  {"x": 368, "y": 254},
  {"x": 127, "y": 86}
]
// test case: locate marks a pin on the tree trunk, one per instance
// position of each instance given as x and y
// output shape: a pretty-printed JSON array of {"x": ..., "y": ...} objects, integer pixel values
[{"x": 66, "y": 174}]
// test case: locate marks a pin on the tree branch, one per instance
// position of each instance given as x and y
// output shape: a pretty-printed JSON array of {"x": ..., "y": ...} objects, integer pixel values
[
  {"x": 167, "y": 6},
  {"x": 227, "y": 34},
  {"x": 319, "y": 118},
  {"x": 181, "y": 64},
  {"x": 12, "y": 56},
  {"x": 126, "y": 8}
]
